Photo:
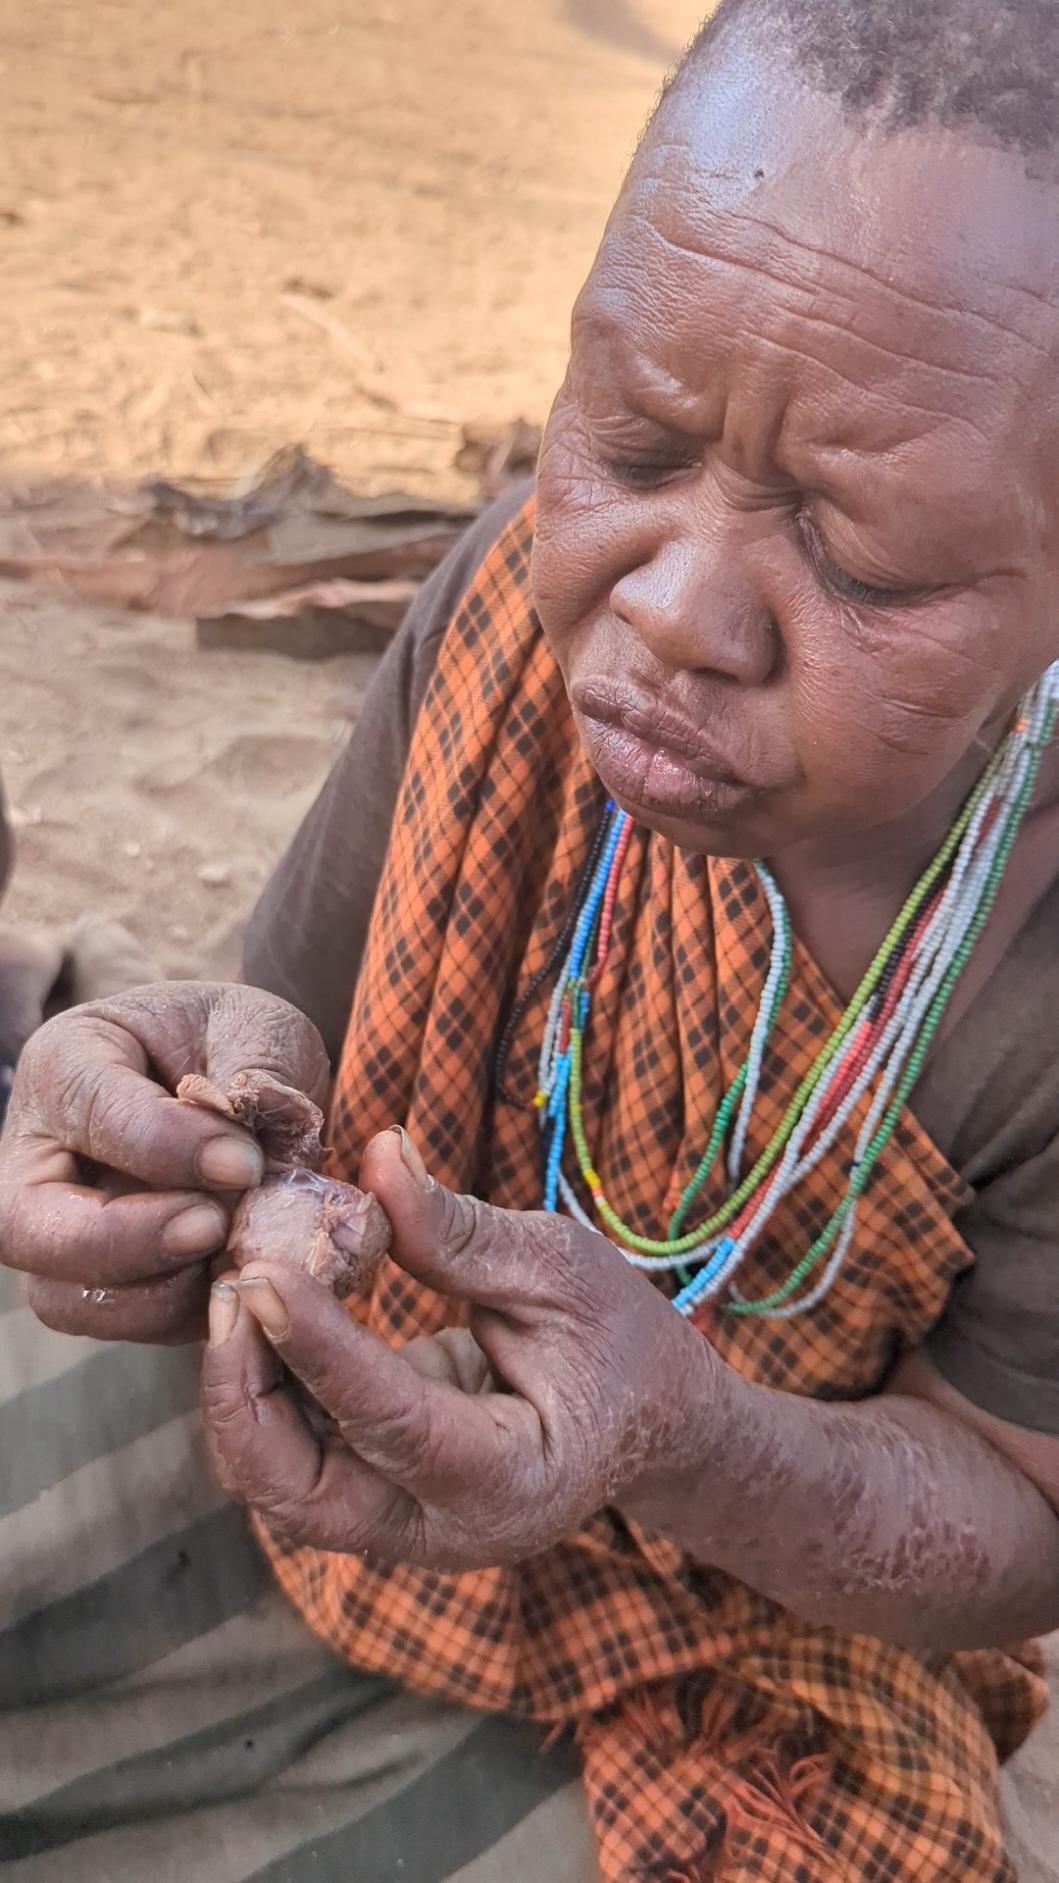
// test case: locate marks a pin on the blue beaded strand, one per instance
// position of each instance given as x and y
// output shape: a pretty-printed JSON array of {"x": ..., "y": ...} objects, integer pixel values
[{"x": 556, "y": 1113}]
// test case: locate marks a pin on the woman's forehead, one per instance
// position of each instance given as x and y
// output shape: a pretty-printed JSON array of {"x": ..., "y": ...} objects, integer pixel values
[
  {"x": 746, "y": 126},
  {"x": 864, "y": 290},
  {"x": 918, "y": 243}
]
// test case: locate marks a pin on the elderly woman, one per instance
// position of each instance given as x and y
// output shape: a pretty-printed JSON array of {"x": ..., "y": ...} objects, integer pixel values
[{"x": 690, "y": 897}]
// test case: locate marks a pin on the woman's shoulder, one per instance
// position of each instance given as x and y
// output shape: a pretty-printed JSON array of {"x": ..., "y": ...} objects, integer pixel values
[
  {"x": 305, "y": 938},
  {"x": 444, "y": 592},
  {"x": 990, "y": 1099}
]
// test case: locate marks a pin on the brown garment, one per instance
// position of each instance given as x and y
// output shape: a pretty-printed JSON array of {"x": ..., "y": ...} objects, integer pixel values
[{"x": 989, "y": 1097}]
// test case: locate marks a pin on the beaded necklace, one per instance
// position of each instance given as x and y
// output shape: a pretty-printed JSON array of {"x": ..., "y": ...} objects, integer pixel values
[{"x": 878, "y": 1047}]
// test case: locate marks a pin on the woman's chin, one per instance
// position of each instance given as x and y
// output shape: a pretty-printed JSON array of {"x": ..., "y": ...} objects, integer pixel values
[{"x": 720, "y": 836}]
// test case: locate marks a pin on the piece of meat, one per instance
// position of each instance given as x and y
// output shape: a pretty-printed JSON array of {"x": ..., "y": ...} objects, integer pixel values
[
  {"x": 332, "y": 1230},
  {"x": 286, "y": 1124}
]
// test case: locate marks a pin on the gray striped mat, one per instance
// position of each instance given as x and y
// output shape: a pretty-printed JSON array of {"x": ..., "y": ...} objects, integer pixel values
[{"x": 165, "y": 1718}]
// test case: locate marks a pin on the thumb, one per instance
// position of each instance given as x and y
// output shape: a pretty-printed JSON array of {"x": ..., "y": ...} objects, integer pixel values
[
  {"x": 460, "y": 1246},
  {"x": 219, "y": 1029},
  {"x": 249, "y": 1029}
]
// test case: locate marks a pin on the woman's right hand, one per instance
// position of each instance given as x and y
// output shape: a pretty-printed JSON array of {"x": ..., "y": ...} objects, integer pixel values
[{"x": 113, "y": 1194}]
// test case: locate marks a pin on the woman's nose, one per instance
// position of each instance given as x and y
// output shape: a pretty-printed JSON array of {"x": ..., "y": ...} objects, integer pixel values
[{"x": 697, "y": 616}]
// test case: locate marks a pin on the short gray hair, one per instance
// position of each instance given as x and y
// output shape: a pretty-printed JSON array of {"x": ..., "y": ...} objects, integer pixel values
[{"x": 986, "y": 68}]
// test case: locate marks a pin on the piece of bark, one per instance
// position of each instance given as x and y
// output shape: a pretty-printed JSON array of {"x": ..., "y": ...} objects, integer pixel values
[
  {"x": 203, "y": 551},
  {"x": 313, "y": 623}
]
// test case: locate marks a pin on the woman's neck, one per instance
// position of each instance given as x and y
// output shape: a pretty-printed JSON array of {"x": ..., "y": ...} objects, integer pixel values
[{"x": 843, "y": 893}]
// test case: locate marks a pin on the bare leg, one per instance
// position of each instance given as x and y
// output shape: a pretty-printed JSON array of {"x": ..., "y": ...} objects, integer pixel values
[
  {"x": 104, "y": 959},
  {"x": 31, "y": 962}
]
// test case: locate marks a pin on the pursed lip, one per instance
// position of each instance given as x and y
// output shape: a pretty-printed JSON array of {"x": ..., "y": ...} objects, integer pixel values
[
  {"x": 651, "y": 760},
  {"x": 659, "y": 730}
]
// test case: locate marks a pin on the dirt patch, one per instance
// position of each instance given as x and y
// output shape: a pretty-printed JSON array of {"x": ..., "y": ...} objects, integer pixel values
[{"x": 223, "y": 230}]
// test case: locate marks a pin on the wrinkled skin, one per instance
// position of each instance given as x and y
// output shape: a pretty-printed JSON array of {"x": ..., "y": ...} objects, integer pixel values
[
  {"x": 424, "y": 1462},
  {"x": 114, "y": 1196},
  {"x": 892, "y": 1517},
  {"x": 797, "y": 541}
]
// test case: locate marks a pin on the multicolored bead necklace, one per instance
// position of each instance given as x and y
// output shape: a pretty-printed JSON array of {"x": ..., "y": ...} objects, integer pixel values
[{"x": 877, "y": 1048}]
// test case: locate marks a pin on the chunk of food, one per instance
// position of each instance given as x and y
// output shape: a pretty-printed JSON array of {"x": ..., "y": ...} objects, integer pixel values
[
  {"x": 286, "y": 1124},
  {"x": 331, "y": 1230},
  {"x": 335, "y": 1232}
]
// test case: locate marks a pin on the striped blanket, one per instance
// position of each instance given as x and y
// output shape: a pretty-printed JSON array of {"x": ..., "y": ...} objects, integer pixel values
[{"x": 164, "y": 1715}]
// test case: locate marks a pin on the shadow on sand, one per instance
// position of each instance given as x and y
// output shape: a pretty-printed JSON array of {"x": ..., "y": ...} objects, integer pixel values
[{"x": 618, "y": 23}]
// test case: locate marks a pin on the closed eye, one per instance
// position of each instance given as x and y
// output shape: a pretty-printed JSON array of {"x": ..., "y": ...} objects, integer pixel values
[
  {"x": 850, "y": 588},
  {"x": 643, "y": 474},
  {"x": 641, "y": 456}
]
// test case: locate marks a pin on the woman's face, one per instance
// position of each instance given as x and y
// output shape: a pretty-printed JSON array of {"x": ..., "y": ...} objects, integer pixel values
[{"x": 798, "y": 535}]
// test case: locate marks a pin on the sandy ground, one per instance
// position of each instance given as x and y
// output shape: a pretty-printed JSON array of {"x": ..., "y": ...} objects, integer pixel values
[
  {"x": 186, "y": 193},
  {"x": 182, "y": 187},
  {"x": 226, "y": 229}
]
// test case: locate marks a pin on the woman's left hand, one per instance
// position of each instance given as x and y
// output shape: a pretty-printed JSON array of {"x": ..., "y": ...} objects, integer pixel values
[{"x": 575, "y": 1386}]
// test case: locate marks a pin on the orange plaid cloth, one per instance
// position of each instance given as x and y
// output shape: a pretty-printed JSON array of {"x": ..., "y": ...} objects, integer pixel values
[{"x": 720, "y": 1737}]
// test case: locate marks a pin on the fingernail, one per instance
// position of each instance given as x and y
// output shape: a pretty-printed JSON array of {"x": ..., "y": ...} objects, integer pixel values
[
  {"x": 413, "y": 1163},
  {"x": 266, "y": 1307},
  {"x": 224, "y": 1312},
  {"x": 231, "y": 1165},
  {"x": 196, "y": 1231}
]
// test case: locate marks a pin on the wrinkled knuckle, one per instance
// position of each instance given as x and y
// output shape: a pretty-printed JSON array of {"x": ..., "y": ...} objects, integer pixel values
[
  {"x": 54, "y": 1312},
  {"x": 285, "y": 1514},
  {"x": 407, "y": 1437},
  {"x": 38, "y": 1091},
  {"x": 576, "y": 1244},
  {"x": 565, "y": 1276},
  {"x": 395, "y": 1532},
  {"x": 581, "y": 1293},
  {"x": 260, "y": 1029},
  {"x": 79, "y": 1105},
  {"x": 564, "y": 1244},
  {"x": 224, "y": 1411},
  {"x": 113, "y": 1117},
  {"x": 586, "y": 1263},
  {"x": 463, "y": 1221}
]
